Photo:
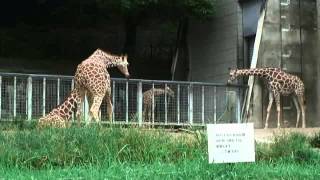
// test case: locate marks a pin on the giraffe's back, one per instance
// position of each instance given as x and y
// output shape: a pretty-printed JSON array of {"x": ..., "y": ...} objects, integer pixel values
[
  {"x": 286, "y": 83},
  {"x": 92, "y": 76}
]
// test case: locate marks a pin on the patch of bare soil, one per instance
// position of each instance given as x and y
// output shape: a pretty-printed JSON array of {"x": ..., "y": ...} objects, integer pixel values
[{"x": 267, "y": 135}]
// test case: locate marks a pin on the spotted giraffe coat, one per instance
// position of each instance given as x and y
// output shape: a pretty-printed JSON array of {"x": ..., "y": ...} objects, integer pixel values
[
  {"x": 60, "y": 115},
  {"x": 147, "y": 99},
  {"x": 93, "y": 79}
]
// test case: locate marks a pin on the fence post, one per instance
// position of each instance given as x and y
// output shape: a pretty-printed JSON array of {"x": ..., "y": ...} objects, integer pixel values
[
  {"x": 127, "y": 102},
  {"x": 190, "y": 103},
  {"x": 29, "y": 88},
  {"x": 58, "y": 91},
  {"x": 178, "y": 104},
  {"x": 0, "y": 95},
  {"x": 44, "y": 96},
  {"x": 165, "y": 105},
  {"x": 139, "y": 103},
  {"x": 14, "y": 97},
  {"x": 202, "y": 104},
  {"x": 153, "y": 105},
  {"x": 238, "y": 107},
  {"x": 113, "y": 100},
  {"x": 215, "y": 104},
  {"x": 72, "y": 87},
  {"x": 86, "y": 109}
]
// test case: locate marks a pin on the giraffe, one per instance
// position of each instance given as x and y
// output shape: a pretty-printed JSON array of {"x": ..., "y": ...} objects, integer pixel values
[
  {"x": 59, "y": 116},
  {"x": 278, "y": 83},
  {"x": 93, "y": 79},
  {"x": 147, "y": 100}
]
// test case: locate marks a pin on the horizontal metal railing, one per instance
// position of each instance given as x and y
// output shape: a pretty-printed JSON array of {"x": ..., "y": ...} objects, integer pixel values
[{"x": 30, "y": 96}]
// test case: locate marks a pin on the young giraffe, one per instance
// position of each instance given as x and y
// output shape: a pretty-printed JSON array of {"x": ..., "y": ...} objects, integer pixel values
[
  {"x": 60, "y": 115},
  {"x": 93, "y": 79},
  {"x": 278, "y": 83},
  {"x": 147, "y": 100}
]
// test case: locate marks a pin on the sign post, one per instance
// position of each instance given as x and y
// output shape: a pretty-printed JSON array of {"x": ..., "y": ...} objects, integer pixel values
[{"x": 231, "y": 143}]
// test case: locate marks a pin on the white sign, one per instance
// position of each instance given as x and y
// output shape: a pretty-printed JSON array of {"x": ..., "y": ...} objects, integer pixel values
[{"x": 231, "y": 143}]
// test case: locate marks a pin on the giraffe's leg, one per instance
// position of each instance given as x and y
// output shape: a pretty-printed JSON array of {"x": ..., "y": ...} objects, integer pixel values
[
  {"x": 94, "y": 110},
  {"x": 145, "y": 112},
  {"x": 109, "y": 107},
  {"x": 302, "y": 107},
  {"x": 149, "y": 114},
  {"x": 80, "y": 99},
  {"x": 269, "y": 109},
  {"x": 90, "y": 103},
  {"x": 277, "y": 99},
  {"x": 295, "y": 101}
]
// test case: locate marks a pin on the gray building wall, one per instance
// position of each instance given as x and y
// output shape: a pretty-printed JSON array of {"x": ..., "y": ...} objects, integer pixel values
[
  {"x": 290, "y": 40},
  {"x": 216, "y": 45}
]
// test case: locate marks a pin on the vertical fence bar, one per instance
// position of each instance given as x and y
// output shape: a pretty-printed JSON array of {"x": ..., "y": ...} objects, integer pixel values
[
  {"x": 72, "y": 87},
  {"x": 14, "y": 97},
  {"x": 86, "y": 109},
  {"x": 0, "y": 96},
  {"x": 29, "y": 88},
  {"x": 139, "y": 103},
  {"x": 178, "y": 104},
  {"x": 153, "y": 105},
  {"x": 190, "y": 103},
  {"x": 113, "y": 100},
  {"x": 127, "y": 102},
  {"x": 58, "y": 91},
  {"x": 238, "y": 106},
  {"x": 44, "y": 96},
  {"x": 215, "y": 104},
  {"x": 202, "y": 104},
  {"x": 165, "y": 105}
]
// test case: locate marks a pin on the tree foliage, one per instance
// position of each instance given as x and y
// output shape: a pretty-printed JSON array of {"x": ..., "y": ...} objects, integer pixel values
[
  {"x": 84, "y": 10},
  {"x": 164, "y": 8}
]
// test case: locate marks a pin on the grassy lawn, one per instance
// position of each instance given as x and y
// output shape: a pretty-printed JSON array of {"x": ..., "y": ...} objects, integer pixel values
[
  {"x": 185, "y": 170},
  {"x": 131, "y": 153}
]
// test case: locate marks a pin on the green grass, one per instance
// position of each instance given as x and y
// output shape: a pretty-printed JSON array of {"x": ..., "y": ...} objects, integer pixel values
[
  {"x": 132, "y": 153},
  {"x": 185, "y": 170}
]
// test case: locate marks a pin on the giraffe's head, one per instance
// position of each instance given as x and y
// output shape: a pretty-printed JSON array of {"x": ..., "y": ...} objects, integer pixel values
[
  {"x": 169, "y": 91},
  {"x": 232, "y": 75},
  {"x": 123, "y": 66}
]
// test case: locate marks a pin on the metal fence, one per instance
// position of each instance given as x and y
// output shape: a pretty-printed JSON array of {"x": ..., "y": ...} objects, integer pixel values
[{"x": 30, "y": 96}]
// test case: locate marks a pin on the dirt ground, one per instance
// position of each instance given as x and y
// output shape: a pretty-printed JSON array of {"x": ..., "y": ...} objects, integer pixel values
[
  {"x": 261, "y": 135},
  {"x": 266, "y": 135}
]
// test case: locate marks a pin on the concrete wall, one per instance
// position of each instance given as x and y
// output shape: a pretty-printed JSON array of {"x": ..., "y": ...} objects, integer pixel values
[
  {"x": 216, "y": 45},
  {"x": 289, "y": 41}
]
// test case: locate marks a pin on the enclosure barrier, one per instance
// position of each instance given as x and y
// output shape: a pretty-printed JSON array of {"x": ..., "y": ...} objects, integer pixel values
[{"x": 31, "y": 96}]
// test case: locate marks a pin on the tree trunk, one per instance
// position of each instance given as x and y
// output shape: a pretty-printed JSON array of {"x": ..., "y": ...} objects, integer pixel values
[
  {"x": 131, "y": 34},
  {"x": 180, "y": 62}
]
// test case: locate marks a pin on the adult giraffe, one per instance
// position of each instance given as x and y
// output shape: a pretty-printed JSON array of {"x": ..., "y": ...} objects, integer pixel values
[
  {"x": 278, "y": 83},
  {"x": 93, "y": 79}
]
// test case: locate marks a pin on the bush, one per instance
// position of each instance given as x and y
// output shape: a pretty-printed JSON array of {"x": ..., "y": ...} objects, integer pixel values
[
  {"x": 315, "y": 140},
  {"x": 293, "y": 147}
]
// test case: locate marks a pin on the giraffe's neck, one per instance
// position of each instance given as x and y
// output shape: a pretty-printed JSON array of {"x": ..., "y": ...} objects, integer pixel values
[
  {"x": 259, "y": 72},
  {"x": 158, "y": 91},
  {"x": 65, "y": 109},
  {"x": 109, "y": 60}
]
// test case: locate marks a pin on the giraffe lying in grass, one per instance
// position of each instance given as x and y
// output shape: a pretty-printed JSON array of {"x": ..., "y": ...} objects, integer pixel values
[{"x": 59, "y": 116}]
